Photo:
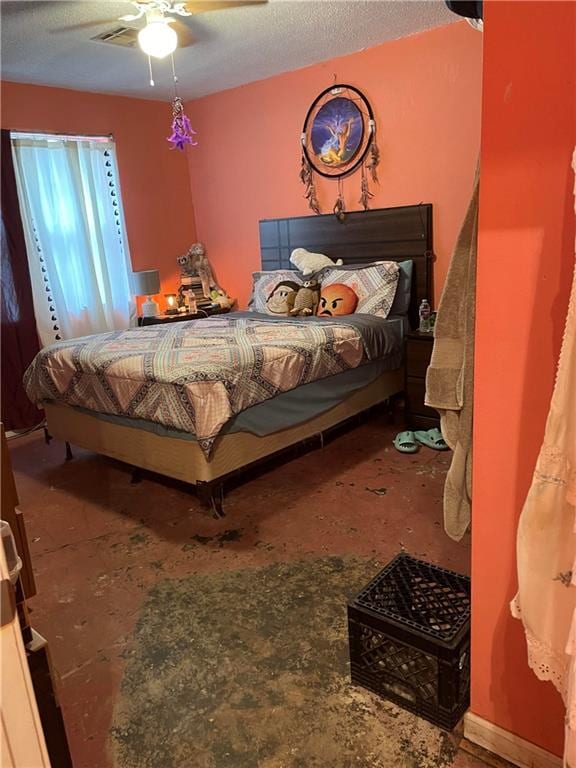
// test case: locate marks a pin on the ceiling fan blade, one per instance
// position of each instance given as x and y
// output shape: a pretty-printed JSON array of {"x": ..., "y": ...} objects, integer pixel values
[
  {"x": 185, "y": 36},
  {"x": 89, "y": 25},
  {"x": 202, "y": 6}
]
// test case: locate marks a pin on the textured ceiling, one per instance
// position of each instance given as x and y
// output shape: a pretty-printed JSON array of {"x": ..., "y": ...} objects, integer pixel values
[{"x": 49, "y": 42}]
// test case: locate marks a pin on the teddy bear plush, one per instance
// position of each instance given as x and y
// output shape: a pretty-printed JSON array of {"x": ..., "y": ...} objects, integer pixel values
[
  {"x": 306, "y": 300},
  {"x": 308, "y": 262}
]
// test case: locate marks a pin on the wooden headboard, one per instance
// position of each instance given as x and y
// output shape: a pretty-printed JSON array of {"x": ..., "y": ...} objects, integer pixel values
[{"x": 394, "y": 234}]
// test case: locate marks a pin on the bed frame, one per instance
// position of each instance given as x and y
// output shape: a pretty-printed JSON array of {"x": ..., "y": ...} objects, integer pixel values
[{"x": 394, "y": 234}]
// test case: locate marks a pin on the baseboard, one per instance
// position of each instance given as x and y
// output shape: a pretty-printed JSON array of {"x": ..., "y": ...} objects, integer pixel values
[{"x": 507, "y": 745}]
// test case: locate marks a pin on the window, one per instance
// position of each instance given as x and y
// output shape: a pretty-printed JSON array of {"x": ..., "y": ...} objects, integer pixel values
[{"x": 78, "y": 257}]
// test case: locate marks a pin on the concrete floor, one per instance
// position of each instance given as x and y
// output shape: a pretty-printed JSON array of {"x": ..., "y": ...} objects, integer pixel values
[{"x": 99, "y": 544}]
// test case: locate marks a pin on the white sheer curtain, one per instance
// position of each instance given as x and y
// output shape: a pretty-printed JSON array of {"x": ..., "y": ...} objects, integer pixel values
[{"x": 75, "y": 234}]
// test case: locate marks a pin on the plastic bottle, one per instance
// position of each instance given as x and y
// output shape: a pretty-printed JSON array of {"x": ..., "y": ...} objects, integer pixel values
[{"x": 424, "y": 313}]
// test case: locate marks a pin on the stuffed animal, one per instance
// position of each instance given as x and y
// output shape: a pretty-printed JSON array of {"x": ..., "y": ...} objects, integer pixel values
[
  {"x": 195, "y": 263},
  {"x": 308, "y": 262},
  {"x": 306, "y": 299},
  {"x": 281, "y": 300},
  {"x": 221, "y": 298},
  {"x": 337, "y": 299}
]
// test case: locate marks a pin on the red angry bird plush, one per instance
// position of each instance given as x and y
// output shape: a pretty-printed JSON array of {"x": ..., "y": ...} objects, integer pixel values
[{"x": 337, "y": 299}]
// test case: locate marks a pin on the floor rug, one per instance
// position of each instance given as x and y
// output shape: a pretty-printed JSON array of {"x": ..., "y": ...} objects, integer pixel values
[{"x": 249, "y": 669}]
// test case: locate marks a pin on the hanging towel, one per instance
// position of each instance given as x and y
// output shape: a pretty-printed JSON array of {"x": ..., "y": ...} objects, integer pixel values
[
  {"x": 546, "y": 544},
  {"x": 449, "y": 379}
]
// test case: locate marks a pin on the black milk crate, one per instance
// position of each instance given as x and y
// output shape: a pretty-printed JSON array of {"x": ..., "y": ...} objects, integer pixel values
[{"x": 410, "y": 639}]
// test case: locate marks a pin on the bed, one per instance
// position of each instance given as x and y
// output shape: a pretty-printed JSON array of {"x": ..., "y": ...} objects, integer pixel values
[{"x": 206, "y": 453}]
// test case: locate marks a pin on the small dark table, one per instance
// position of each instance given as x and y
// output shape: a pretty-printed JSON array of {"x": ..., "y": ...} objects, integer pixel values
[
  {"x": 418, "y": 354},
  {"x": 180, "y": 317}
]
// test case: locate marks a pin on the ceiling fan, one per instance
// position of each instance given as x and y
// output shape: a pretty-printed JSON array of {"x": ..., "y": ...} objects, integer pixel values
[
  {"x": 162, "y": 33},
  {"x": 159, "y": 14}
]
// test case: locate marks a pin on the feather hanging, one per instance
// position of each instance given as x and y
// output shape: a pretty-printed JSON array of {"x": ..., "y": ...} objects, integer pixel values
[
  {"x": 374, "y": 160},
  {"x": 305, "y": 170},
  {"x": 365, "y": 194},
  {"x": 307, "y": 178},
  {"x": 340, "y": 206},
  {"x": 313, "y": 200}
]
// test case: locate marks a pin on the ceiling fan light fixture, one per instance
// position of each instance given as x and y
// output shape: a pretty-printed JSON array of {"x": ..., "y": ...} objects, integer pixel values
[{"x": 158, "y": 39}]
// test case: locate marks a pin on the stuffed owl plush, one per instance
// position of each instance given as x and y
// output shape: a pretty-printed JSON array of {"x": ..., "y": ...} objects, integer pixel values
[{"x": 308, "y": 262}]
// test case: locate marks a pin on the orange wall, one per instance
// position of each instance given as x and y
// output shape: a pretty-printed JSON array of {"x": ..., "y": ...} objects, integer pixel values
[
  {"x": 425, "y": 92},
  {"x": 525, "y": 263},
  {"x": 155, "y": 181}
]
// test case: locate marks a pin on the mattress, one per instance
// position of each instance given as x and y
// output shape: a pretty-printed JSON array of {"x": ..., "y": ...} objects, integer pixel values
[{"x": 262, "y": 368}]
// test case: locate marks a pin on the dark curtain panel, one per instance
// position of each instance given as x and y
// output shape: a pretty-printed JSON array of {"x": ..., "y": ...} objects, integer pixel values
[{"x": 19, "y": 339}]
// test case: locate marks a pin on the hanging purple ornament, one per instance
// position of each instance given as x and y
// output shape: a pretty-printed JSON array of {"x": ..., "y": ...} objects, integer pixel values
[{"x": 182, "y": 131}]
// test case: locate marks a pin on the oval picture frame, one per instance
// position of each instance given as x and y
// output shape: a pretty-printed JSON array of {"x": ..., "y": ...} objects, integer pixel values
[{"x": 337, "y": 131}]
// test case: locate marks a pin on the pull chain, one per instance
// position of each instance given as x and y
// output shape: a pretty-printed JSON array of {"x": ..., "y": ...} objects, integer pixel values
[
  {"x": 150, "y": 72},
  {"x": 174, "y": 75}
]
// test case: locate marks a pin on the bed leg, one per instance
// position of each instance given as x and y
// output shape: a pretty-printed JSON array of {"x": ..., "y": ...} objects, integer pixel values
[
  {"x": 69, "y": 454},
  {"x": 394, "y": 402},
  {"x": 47, "y": 436},
  {"x": 211, "y": 495},
  {"x": 136, "y": 476}
]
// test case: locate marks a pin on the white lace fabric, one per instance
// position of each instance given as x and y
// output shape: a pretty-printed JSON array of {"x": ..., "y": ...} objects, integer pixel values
[
  {"x": 547, "y": 663},
  {"x": 546, "y": 544}
]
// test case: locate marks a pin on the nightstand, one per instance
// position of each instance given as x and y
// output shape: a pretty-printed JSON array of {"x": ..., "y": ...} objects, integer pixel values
[
  {"x": 418, "y": 353},
  {"x": 180, "y": 317}
]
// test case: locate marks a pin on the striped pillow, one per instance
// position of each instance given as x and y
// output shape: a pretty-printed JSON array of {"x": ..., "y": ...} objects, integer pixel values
[{"x": 374, "y": 284}]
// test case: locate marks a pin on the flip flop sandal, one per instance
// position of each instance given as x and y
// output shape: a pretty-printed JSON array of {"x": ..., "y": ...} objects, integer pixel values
[
  {"x": 432, "y": 439},
  {"x": 405, "y": 442}
]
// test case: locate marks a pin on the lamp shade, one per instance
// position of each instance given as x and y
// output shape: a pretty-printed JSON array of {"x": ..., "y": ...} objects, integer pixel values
[{"x": 146, "y": 282}]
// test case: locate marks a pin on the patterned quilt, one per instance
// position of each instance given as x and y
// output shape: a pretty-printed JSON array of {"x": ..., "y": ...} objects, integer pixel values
[{"x": 193, "y": 376}]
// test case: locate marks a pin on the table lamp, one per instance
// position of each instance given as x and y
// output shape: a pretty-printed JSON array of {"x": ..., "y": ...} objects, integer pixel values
[{"x": 147, "y": 283}]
